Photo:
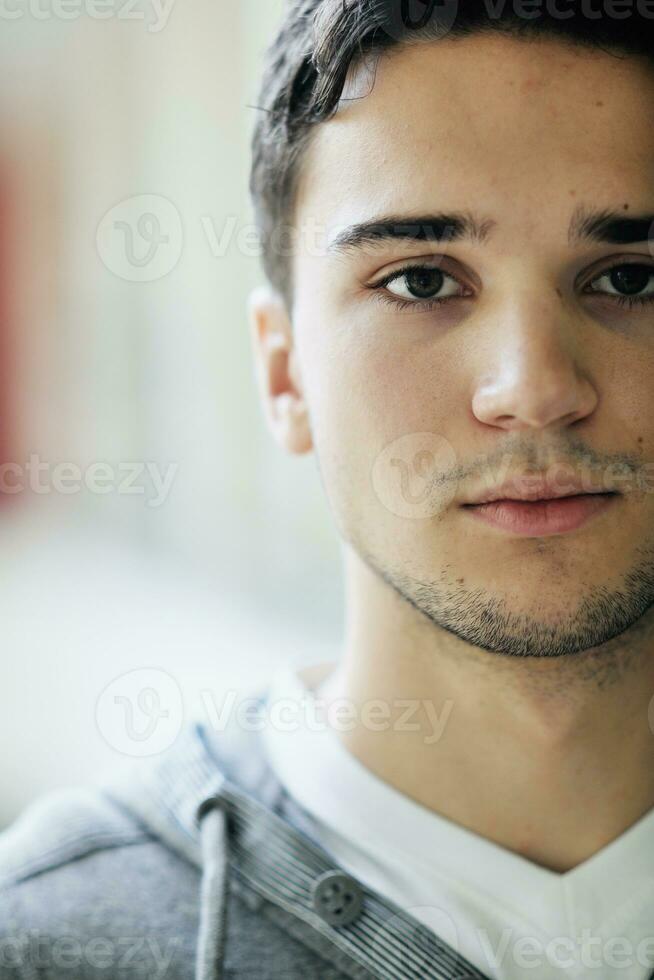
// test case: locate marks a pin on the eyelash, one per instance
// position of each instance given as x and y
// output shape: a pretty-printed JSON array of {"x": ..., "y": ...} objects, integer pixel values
[{"x": 426, "y": 305}]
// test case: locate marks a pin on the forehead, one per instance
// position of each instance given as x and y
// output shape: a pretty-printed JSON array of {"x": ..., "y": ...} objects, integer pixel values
[{"x": 522, "y": 127}]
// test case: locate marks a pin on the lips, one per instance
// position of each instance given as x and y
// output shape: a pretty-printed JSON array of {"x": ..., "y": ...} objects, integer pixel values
[
  {"x": 539, "y": 488},
  {"x": 542, "y": 516}
]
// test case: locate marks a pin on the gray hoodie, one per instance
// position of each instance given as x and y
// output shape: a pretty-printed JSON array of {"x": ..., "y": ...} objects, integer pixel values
[{"x": 195, "y": 864}]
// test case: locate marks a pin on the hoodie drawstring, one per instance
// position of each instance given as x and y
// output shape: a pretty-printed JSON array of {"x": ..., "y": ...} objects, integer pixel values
[{"x": 213, "y": 904}]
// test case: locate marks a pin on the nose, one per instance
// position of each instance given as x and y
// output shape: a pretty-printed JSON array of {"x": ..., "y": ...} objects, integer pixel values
[{"x": 533, "y": 378}]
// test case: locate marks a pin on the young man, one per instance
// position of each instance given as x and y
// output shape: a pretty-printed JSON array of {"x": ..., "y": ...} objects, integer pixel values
[{"x": 457, "y": 207}]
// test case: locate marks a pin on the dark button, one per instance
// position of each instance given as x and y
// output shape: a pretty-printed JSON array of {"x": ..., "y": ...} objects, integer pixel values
[{"x": 336, "y": 898}]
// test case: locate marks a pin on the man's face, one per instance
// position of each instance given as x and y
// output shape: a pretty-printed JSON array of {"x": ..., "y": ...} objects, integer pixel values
[{"x": 534, "y": 365}]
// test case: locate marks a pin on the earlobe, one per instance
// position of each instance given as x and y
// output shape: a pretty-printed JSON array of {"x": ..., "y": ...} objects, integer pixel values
[{"x": 279, "y": 383}]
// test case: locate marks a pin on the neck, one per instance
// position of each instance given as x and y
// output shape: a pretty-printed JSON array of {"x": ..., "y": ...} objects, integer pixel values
[{"x": 551, "y": 758}]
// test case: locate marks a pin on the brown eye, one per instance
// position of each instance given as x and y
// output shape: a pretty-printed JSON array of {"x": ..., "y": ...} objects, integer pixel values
[
  {"x": 423, "y": 283},
  {"x": 632, "y": 279}
]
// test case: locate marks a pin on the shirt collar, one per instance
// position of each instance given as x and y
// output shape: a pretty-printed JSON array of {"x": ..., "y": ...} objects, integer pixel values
[{"x": 321, "y": 774}]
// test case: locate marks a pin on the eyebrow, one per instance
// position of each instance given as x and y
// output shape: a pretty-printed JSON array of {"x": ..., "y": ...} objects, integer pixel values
[
  {"x": 611, "y": 227},
  {"x": 456, "y": 226},
  {"x": 587, "y": 225}
]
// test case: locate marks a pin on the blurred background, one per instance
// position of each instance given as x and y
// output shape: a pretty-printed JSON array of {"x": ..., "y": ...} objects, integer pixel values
[{"x": 149, "y": 526}]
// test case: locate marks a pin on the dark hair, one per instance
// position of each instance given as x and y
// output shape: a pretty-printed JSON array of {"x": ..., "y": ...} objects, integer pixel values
[{"x": 308, "y": 61}]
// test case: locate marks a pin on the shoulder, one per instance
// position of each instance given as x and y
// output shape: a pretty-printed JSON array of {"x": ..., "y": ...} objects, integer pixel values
[
  {"x": 86, "y": 890},
  {"x": 60, "y": 827}
]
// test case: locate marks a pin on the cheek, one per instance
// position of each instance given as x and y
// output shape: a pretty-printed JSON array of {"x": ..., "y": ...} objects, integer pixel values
[
  {"x": 372, "y": 374},
  {"x": 364, "y": 387},
  {"x": 628, "y": 401},
  {"x": 379, "y": 412}
]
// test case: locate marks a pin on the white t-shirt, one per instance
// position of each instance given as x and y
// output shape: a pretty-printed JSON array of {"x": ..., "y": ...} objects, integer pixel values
[{"x": 508, "y": 916}]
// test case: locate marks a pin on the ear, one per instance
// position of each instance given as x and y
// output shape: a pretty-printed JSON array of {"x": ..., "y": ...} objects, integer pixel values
[{"x": 278, "y": 376}]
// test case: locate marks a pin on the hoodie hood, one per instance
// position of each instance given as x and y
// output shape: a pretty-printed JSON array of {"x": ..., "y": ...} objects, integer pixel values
[
  {"x": 184, "y": 797},
  {"x": 177, "y": 796},
  {"x": 214, "y": 799}
]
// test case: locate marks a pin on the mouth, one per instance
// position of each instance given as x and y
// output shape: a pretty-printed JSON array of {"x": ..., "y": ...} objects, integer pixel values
[{"x": 540, "y": 517}]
